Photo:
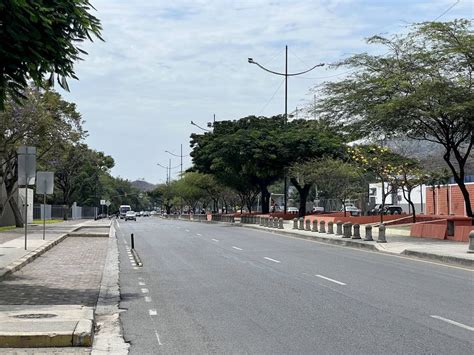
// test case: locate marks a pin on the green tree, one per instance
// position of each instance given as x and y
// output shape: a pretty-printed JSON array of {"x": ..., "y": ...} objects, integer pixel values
[
  {"x": 383, "y": 163},
  {"x": 43, "y": 119},
  {"x": 421, "y": 88},
  {"x": 254, "y": 152},
  {"x": 337, "y": 178},
  {"x": 41, "y": 38}
]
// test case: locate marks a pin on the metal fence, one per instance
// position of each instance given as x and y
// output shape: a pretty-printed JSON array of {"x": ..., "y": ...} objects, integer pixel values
[{"x": 64, "y": 212}]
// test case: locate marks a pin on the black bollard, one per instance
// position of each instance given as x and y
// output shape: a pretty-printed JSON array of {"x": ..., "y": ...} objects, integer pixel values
[{"x": 132, "y": 241}]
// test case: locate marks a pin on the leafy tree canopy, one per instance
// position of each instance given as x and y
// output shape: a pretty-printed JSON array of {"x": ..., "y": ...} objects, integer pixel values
[
  {"x": 41, "y": 38},
  {"x": 421, "y": 88}
]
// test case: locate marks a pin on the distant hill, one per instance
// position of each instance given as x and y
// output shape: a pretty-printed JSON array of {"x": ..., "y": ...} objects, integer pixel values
[{"x": 142, "y": 185}]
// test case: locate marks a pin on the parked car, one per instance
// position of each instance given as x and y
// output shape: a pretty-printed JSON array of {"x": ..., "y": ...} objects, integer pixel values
[
  {"x": 388, "y": 209},
  {"x": 292, "y": 210},
  {"x": 354, "y": 211},
  {"x": 317, "y": 209},
  {"x": 130, "y": 215},
  {"x": 146, "y": 214},
  {"x": 393, "y": 210}
]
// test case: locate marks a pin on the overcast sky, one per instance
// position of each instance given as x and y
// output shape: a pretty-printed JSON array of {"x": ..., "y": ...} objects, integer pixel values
[{"x": 165, "y": 63}]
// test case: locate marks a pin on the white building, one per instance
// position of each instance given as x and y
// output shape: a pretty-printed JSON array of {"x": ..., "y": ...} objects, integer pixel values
[{"x": 417, "y": 196}]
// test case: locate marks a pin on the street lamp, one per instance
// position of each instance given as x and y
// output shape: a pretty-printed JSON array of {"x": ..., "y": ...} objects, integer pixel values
[
  {"x": 181, "y": 156},
  {"x": 286, "y": 75}
]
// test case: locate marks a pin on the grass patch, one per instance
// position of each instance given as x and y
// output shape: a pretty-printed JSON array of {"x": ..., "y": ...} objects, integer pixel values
[
  {"x": 6, "y": 228},
  {"x": 48, "y": 221}
]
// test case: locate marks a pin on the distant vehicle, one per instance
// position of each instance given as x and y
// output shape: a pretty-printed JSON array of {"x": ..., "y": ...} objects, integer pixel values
[
  {"x": 393, "y": 210},
  {"x": 146, "y": 213},
  {"x": 388, "y": 209},
  {"x": 354, "y": 211},
  {"x": 317, "y": 209},
  {"x": 130, "y": 215},
  {"x": 123, "y": 209},
  {"x": 292, "y": 210}
]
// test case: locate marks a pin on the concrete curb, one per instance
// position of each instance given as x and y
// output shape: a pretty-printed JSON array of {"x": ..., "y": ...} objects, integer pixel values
[
  {"x": 108, "y": 337},
  {"x": 437, "y": 257},
  {"x": 344, "y": 242}
]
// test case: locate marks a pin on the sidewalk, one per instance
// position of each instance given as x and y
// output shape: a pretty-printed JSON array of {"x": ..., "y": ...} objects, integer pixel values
[
  {"x": 397, "y": 243},
  {"x": 48, "y": 298}
]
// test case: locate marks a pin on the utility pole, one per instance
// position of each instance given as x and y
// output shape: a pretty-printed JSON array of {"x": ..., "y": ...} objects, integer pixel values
[{"x": 286, "y": 75}]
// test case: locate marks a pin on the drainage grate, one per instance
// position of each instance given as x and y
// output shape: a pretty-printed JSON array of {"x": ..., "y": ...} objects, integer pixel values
[{"x": 35, "y": 315}]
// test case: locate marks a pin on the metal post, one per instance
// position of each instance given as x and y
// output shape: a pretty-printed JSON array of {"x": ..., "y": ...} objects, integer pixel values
[
  {"x": 132, "y": 240},
  {"x": 44, "y": 212},
  {"x": 285, "y": 187},
  {"x": 26, "y": 217},
  {"x": 181, "y": 159},
  {"x": 169, "y": 171}
]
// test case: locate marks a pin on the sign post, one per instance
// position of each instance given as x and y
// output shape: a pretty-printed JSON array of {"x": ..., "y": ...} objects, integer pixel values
[
  {"x": 26, "y": 177},
  {"x": 45, "y": 186},
  {"x": 108, "y": 203}
]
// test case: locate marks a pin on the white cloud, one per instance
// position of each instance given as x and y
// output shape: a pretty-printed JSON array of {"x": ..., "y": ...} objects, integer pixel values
[{"x": 166, "y": 63}]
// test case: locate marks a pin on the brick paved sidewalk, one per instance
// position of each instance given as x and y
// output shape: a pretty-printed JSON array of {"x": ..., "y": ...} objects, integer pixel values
[{"x": 70, "y": 273}]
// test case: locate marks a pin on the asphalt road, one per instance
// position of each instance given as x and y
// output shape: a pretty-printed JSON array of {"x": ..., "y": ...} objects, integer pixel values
[{"x": 215, "y": 288}]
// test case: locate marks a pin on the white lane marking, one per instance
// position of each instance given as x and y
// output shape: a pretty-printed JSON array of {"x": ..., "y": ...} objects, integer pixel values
[
  {"x": 236, "y": 248},
  {"x": 199, "y": 234},
  {"x": 158, "y": 338},
  {"x": 275, "y": 261},
  {"x": 147, "y": 299},
  {"x": 152, "y": 312},
  {"x": 454, "y": 323},
  {"x": 187, "y": 230},
  {"x": 332, "y": 280},
  {"x": 141, "y": 283},
  {"x": 145, "y": 290},
  {"x": 215, "y": 240},
  {"x": 136, "y": 268}
]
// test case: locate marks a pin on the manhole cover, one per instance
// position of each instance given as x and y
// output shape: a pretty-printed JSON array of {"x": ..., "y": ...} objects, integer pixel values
[{"x": 35, "y": 315}]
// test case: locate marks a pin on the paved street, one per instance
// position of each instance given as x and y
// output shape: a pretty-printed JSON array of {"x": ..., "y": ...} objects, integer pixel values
[{"x": 215, "y": 288}]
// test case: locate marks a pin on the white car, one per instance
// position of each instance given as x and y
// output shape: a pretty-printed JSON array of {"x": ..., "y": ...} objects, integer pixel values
[
  {"x": 292, "y": 210},
  {"x": 353, "y": 210},
  {"x": 130, "y": 215}
]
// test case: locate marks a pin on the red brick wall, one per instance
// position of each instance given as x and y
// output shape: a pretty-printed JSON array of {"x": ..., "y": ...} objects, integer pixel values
[{"x": 441, "y": 202}]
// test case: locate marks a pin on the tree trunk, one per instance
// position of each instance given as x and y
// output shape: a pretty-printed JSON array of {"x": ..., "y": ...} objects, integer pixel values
[
  {"x": 265, "y": 199},
  {"x": 303, "y": 191},
  {"x": 384, "y": 196},
  {"x": 407, "y": 197}
]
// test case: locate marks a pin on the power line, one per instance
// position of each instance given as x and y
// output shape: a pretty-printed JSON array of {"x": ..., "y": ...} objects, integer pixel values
[
  {"x": 271, "y": 98},
  {"x": 447, "y": 10}
]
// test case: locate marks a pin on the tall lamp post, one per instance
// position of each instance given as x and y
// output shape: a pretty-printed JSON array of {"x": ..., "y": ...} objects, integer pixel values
[
  {"x": 181, "y": 156},
  {"x": 286, "y": 75}
]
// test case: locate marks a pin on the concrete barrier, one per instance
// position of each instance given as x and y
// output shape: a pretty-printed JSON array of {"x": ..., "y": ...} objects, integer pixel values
[
  {"x": 322, "y": 227},
  {"x": 338, "y": 228},
  {"x": 381, "y": 238},
  {"x": 295, "y": 223},
  {"x": 280, "y": 223},
  {"x": 300, "y": 223},
  {"x": 330, "y": 227},
  {"x": 356, "y": 233},
  {"x": 315, "y": 225},
  {"x": 347, "y": 230},
  {"x": 307, "y": 225},
  {"x": 471, "y": 242},
  {"x": 368, "y": 233}
]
